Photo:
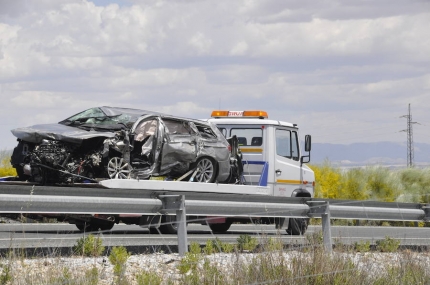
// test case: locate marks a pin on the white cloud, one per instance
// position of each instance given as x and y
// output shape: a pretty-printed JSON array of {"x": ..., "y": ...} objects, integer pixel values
[
  {"x": 325, "y": 63},
  {"x": 201, "y": 43}
]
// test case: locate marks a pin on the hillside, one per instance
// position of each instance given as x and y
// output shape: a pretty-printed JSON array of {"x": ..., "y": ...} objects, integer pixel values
[{"x": 387, "y": 153}]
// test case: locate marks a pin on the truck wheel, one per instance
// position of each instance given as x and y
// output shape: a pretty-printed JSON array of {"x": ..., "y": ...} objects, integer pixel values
[
  {"x": 207, "y": 170},
  {"x": 94, "y": 226},
  {"x": 220, "y": 228},
  {"x": 168, "y": 225},
  {"x": 297, "y": 226}
]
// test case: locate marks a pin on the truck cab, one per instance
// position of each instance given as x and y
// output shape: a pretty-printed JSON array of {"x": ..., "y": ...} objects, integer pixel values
[{"x": 271, "y": 152}]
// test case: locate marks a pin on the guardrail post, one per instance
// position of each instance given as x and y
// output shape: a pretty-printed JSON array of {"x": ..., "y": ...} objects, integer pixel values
[
  {"x": 181, "y": 219},
  {"x": 326, "y": 228},
  {"x": 177, "y": 203},
  {"x": 322, "y": 208}
]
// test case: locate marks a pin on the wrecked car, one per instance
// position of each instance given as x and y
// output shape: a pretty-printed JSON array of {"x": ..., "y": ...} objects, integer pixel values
[{"x": 121, "y": 143}]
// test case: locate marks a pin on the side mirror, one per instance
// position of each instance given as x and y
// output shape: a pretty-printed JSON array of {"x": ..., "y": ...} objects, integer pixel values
[{"x": 308, "y": 144}]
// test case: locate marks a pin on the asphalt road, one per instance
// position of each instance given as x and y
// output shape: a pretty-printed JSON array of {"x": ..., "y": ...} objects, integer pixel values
[{"x": 52, "y": 237}]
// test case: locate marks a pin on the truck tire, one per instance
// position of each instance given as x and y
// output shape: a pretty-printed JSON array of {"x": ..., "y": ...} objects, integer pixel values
[
  {"x": 297, "y": 226},
  {"x": 168, "y": 225},
  {"x": 220, "y": 228},
  {"x": 94, "y": 226}
]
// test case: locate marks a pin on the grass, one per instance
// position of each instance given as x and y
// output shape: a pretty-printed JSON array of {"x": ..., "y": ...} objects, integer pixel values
[{"x": 269, "y": 263}]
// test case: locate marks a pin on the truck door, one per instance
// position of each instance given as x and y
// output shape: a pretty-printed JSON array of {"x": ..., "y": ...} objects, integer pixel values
[{"x": 287, "y": 162}]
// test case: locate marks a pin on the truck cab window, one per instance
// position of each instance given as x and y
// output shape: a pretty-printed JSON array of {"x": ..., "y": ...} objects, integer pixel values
[
  {"x": 287, "y": 144},
  {"x": 248, "y": 137}
]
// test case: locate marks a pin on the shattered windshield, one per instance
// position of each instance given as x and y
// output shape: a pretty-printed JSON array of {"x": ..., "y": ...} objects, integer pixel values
[{"x": 97, "y": 117}]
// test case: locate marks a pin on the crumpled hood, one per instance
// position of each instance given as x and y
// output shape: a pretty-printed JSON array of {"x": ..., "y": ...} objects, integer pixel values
[{"x": 36, "y": 133}]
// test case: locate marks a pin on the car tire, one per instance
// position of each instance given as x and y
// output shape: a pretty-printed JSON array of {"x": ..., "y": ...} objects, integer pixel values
[
  {"x": 117, "y": 168},
  {"x": 297, "y": 226},
  {"x": 206, "y": 170},
  {"x": 220, "y": 228}
]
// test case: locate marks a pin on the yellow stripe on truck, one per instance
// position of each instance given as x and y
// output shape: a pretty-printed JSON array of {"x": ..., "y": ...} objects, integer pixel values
[
  {"x": 251, "y": 150},
  {"x": 288, "y": 181}
]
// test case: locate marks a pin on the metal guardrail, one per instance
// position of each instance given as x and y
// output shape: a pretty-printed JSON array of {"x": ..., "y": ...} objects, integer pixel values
[{"x": 77, "y": 200}]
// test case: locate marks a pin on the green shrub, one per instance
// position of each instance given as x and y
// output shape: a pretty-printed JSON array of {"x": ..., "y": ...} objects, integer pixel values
[
  {"x": 210, "y": 248},
  {"x": 217, "y": 245},
  {"x": 246, "y": 242},
  {"x": 118, "y": 257},
  {"x": 388, "y": 244},
  {"x": 195, "y": 248},
  {"x": 273, "y": 244},
  {"x": 6, "y": 274},
  {"x": 89, "y": 246},
  {"x": 191, "y": 259},
  {"x": 228, "y": 247},
  {"x": 362, "y": 246}
]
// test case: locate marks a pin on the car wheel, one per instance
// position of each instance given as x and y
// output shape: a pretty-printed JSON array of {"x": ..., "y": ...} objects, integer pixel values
[
  {"x": 297, "y": 226},
  {"x": 220, "y": 228},
  {"x": 118, "y": 169},
  {"x": 206, "y": 170}
]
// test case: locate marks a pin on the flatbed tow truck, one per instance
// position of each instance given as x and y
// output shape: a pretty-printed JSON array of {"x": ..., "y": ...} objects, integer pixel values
[{"x": 272, "y": 165}]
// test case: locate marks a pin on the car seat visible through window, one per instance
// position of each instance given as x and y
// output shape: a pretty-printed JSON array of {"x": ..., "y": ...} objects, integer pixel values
[
  {"x": 242, "y": 141},
  {"x": 257, "y": 141}
]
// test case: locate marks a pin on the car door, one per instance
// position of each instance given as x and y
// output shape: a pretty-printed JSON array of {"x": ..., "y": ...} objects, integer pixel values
[
  {"x": 287, "y": 162},
  {"x": 179, "y": 146}
]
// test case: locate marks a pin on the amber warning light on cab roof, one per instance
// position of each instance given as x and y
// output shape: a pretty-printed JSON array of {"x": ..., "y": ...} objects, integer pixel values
[{"x": 239, "y": 114}]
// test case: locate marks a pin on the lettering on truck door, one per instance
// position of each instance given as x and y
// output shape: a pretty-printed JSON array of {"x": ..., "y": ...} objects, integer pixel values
[{"x": 287, "y": 162}]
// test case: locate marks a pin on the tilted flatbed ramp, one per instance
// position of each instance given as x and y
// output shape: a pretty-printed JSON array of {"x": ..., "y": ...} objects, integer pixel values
[{"x": 156, "y": 185}]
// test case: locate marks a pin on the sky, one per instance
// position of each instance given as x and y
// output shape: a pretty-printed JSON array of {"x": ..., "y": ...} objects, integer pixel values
[{"x": 344, "y": 71}]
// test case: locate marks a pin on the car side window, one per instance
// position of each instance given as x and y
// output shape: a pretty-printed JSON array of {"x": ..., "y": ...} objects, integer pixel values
[
  {"x": 145, "y": 129},
  {"x": 287, "y": 144},
  {"x": 176, "y": 127},
  {"x": 206, "y": 132}
]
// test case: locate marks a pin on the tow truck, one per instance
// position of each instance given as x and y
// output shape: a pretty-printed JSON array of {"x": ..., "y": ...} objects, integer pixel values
[
  {"x": 273, "y": 165},
  {"x": 269, "y": 157}
]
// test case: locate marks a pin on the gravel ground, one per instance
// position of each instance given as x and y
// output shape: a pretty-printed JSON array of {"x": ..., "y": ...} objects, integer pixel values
[{"x": 49, "y": 270}]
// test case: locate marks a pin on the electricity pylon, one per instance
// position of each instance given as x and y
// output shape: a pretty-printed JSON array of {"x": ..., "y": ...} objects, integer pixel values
[{"x": 410, "y": 153}]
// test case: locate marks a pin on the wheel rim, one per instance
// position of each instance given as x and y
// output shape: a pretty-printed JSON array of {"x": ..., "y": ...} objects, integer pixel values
[
  {"x": 206, "y": 170},
  {"x": 118, "y": 168}
]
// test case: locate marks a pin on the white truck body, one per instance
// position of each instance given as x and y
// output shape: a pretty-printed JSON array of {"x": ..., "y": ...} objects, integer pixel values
[{"x": 266, "y": 141}]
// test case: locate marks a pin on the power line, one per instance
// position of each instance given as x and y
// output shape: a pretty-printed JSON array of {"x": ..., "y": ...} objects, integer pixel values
[{"x": 410, "y": 151}]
